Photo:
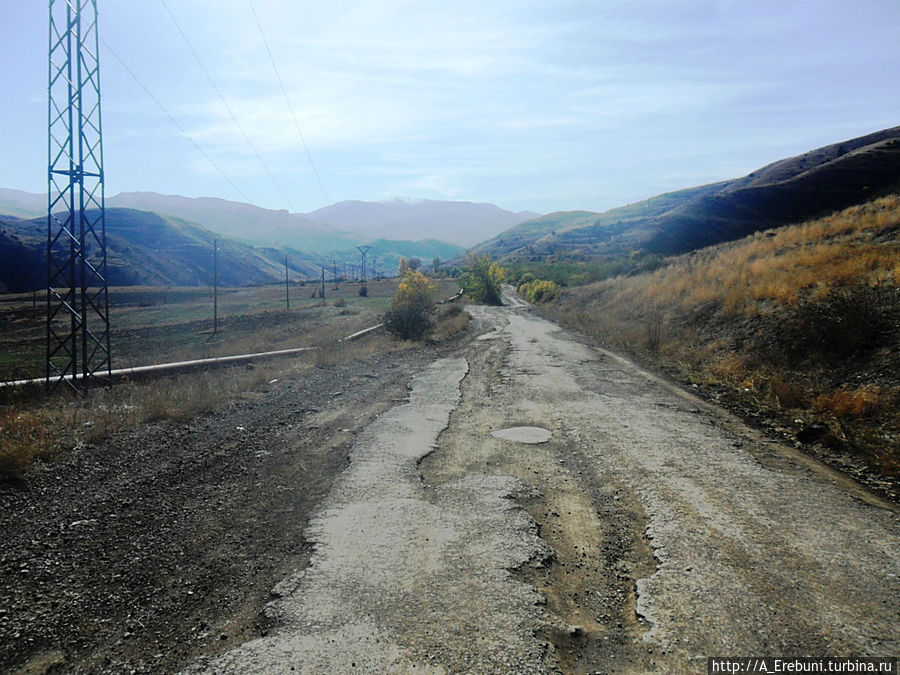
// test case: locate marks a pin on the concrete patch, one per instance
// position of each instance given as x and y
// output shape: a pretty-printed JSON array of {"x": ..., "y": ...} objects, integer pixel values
[{"x": 406, "y": 577}]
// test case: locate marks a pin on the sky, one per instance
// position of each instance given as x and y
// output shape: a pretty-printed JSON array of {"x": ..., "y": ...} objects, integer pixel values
[{"x": 541, "y": 105}]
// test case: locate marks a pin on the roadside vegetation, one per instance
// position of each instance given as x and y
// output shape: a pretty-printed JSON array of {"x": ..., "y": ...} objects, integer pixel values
[
  {"x": 538, "y": 290},
  {"x": 481, "y": 279},
  {"x": 566, "y": 273},
  {"x": 409, "y": 315},
  {"x": 797, "y": 325}
]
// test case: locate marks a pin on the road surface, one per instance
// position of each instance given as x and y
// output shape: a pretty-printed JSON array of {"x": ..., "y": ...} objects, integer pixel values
[{"x": 538, "y": 505}]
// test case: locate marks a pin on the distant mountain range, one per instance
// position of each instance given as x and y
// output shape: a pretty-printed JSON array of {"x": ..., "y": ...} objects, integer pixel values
[
  {"x": 146, "y": 248},
  {"x": 336, "y": 227},
  {"x": 258, "y": 239},
  {"x": 785, "y": 192},
  {"x": 168, "y": 241}
]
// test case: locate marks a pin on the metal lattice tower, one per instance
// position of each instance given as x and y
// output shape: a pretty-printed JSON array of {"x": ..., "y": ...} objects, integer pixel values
[
  {"x": 363, "y": 250},
  {"x": 77, "y": 298}
]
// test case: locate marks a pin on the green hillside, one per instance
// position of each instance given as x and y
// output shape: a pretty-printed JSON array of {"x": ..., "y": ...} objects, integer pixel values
[{"x": 785, "y": 192}]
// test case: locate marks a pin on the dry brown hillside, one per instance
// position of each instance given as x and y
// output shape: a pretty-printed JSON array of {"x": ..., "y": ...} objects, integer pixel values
[{"x": 796, "y": 327}]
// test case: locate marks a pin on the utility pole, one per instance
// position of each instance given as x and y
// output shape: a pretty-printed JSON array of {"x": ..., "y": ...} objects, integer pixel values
[
  {"x": 287, "y": 292},
  {"x": 322, "y": 292},
  {"x": 77, "y": 290},
  {"x": 334, "y": 271},
  {"x": 215, "y": 286}
]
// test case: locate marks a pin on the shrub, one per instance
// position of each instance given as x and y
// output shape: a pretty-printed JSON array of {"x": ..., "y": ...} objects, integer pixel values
[
  {"x": 539, "y": 290},
  {"x": 481, "y": 279},
  {"x": 847, "y": 404},
  {"x": 409, "y": 315},
  {"x": 363, "y": 291}
]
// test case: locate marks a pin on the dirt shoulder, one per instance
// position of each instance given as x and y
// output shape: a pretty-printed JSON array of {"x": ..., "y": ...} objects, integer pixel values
[{"x": 161, "y": 545}]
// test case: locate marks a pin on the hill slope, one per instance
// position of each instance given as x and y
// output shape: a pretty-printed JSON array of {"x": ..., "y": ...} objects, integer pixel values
[
  {"x": 785, "y": 192},
  {"x": 243, "y": 222},
  {"x": 797, "y": 326},
  {"x": 22, "y": 204},
  {"x": 149, "y": 249}
]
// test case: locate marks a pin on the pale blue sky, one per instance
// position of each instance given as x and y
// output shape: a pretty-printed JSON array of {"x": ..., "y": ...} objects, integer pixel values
[{"x": 542, "y": 105}]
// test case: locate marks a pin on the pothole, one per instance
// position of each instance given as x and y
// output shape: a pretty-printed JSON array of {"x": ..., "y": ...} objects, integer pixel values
[{"x": 532, "y": 435}]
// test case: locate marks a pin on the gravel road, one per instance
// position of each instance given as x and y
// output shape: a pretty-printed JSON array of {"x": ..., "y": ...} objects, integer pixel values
[
  {"x": 538, "y": 505},
  {"x": 729, "y": 543},
  {"x": 517, "y": 502}
]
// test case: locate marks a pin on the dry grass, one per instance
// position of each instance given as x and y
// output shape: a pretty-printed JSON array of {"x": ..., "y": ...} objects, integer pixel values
[
  {"x": 780, "y": 266},
  {"x": 450, "y": 320},
  {"x": 800, "y": 323},
  {"x": 34, "y": 427},
  {"x": 159, "y": 325},
  {"x": 37, "y": 429}
]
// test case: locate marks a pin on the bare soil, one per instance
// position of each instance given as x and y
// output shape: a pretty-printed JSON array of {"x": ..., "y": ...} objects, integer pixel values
[{"x": 157, "y": 546}]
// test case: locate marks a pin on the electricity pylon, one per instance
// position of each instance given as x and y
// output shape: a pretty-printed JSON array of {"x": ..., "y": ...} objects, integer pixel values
[
  {"x": 77, "y": 299},
  {"x": 363, "y": 250}
]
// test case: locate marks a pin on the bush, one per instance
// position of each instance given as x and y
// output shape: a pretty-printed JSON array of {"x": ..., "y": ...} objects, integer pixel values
[
  {"x": 409, "y": 315},
  {"x": 363, "y": 291},
  {"x": 539, "y": 290},
  {"x": 481, "y": 279}
]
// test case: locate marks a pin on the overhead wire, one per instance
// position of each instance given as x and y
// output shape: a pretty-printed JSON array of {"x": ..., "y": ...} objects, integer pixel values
[
  {"x": 174, "y": 121},
  {"x": 227, "y": 107},
  {"x": 287, "y": 100}
]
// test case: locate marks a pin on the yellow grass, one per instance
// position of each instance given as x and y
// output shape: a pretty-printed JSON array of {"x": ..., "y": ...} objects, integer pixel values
[
  {"x": 723, "y": 307},
  {"x": 778, "y": 266}
]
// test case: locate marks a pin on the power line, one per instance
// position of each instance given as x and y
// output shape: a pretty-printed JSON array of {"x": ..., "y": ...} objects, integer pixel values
[
  {"x": 227, "y": 107},
  {"x": 287, "y": 99},
  {"x": 174, "y": 121}
]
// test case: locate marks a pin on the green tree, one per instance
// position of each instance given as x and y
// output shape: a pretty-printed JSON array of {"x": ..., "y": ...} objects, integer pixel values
[{"x": 481, "y": 279}]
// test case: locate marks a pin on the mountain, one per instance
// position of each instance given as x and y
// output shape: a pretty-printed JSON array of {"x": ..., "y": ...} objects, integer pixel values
[
  {"x": 22, "y": 204},
  {"x": 789, "y": 191},
  {"x": 244, "y": 222},
  {"x": 340, "y": 226},
  {"x": 335, "y": 230},
  {"x": 461, "y": 223},
  {"x": 150, "y": 249}
]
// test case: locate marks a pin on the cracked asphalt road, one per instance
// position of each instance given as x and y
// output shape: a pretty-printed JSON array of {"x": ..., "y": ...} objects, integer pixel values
[{"x": 643, "y": 531}]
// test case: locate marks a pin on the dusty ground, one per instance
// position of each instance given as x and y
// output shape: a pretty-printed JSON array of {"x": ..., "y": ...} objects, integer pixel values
[
  {"x": 397, "y": 528},
  {"x": 164, "y": 544}
]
